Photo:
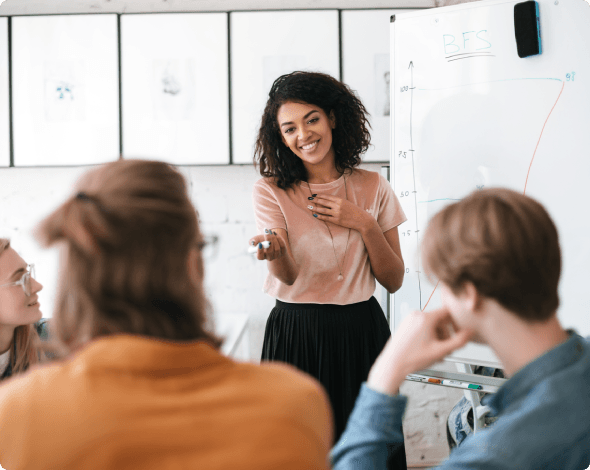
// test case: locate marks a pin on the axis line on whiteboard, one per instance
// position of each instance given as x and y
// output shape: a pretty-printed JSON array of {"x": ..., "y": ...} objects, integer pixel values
[
  {"x": 411, "y": 67},
  {"x": 542, "y": 130}
]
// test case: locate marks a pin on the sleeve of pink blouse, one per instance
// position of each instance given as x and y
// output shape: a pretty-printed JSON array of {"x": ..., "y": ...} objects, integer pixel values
[
  {"x": 391, "y": 213},
  {"x": 267, "y": 211}
]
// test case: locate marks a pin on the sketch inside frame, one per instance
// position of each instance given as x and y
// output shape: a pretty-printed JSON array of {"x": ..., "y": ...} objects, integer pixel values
[
  {"x": 174, "y": 89},
  {"x": 65, "y": 91}
]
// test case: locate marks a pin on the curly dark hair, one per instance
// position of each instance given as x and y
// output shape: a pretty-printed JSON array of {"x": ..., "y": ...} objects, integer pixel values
[{"x": 350, "y": 138}]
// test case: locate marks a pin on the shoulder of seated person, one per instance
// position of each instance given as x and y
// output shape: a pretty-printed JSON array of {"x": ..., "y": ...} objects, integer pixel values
[{"x": 33, "y": 382}]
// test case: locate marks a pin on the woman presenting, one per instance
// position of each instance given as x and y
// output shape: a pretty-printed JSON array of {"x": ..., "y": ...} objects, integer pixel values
[{"x": 332, "y": 230}]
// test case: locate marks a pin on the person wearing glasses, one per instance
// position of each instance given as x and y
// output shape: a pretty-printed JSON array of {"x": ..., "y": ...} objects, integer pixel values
[
  {"x": 21, "y": 324},
  {"x": 141, "y": 382}
]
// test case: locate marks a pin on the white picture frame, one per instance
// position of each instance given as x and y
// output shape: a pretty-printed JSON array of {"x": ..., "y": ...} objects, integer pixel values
[
  {"x": 365, "y": 63},
  {"x": 4, "y": 96},
  {"x": 65, "y": 89},
  {"x": 265, "y": 45},
  {"x": 175, "y": 91}
]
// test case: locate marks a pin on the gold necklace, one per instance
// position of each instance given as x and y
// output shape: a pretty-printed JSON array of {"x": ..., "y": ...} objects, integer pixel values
[{"x": 340, "y": 276}]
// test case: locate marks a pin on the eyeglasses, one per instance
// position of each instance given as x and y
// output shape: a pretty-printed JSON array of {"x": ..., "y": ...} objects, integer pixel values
[
  {"x": 24, "y": 281},
  {"x": 208, "y": 246}
]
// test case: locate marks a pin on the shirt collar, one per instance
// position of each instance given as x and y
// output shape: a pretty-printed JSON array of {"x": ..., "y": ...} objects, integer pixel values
[
  {"x": 553, "y": 361},
  {"x": 142, "y": 354}
]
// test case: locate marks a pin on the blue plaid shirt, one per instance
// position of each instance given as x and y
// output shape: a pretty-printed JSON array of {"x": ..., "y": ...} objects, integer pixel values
[{"x": 543, "y": 420}]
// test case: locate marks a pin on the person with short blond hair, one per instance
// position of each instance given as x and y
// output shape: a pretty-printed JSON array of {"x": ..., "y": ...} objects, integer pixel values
[
  {"x": 141, "y": 383},
  {"x": 497, "y": 259}
]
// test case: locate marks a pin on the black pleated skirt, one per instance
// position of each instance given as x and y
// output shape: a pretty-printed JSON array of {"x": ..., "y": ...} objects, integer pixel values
[{"x": 336, "y": 344}]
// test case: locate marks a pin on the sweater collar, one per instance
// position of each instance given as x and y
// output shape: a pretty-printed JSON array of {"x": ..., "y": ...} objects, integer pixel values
[{"x": 142, "y": 354}]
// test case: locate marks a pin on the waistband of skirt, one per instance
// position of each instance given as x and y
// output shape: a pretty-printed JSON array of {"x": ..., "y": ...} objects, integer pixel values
[{"x": 292, "y": 306}]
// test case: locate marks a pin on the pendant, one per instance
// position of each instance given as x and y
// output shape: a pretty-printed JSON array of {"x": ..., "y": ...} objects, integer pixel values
[{"x": 340, "y": 278}]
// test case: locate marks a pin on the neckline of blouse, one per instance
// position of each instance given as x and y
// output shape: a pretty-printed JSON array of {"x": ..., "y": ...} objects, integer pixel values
[{"x": 326, "y": 186}]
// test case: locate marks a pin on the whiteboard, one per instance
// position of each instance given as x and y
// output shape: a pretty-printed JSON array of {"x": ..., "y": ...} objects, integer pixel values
[
  {"x": 174, "y": 85},
  {"x": 469, "y": 113}
]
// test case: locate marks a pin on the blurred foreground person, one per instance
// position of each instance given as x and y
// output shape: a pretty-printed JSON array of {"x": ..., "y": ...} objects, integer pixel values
[
  {"x": 497, "y": 258},
  {"x": 141, "y": 383}
]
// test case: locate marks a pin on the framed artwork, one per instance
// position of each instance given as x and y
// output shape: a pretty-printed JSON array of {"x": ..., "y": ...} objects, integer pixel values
[
  {"x": 365, "y": 68},
  {"x": 175, "y": 95},
  {"x": 4, "y": 109},
  {"x": 65, "y": 89},
  {"x": 265, "y": 45}
]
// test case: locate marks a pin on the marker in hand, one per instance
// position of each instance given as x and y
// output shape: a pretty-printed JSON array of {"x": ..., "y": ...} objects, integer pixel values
[{"x": 254, "y": 249}]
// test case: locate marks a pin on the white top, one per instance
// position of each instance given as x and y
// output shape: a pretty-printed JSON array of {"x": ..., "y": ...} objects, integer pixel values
[{"x": 4, "y": 360}]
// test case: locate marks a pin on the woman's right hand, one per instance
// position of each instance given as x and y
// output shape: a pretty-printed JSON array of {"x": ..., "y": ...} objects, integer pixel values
[{"x": 277, "y": 248}]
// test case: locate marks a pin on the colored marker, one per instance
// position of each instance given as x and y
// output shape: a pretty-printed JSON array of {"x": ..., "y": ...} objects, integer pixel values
[
  {"x": 414, "y": 378},
  {"x": 455, "y": 383},
  {"x": 254, "y": 249},
  {"x": 452, "y": 383}
]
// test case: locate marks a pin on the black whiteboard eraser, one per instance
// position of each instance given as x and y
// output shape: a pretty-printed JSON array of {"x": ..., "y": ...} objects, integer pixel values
[
  {"x": 527, "y": 29},
  {"x": 392, "y": 18}
]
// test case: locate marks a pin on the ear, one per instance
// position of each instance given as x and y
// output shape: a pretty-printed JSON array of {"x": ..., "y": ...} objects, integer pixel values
[
  {"x": 471, "y": 297},
  {"x": 332, "y": 118}
]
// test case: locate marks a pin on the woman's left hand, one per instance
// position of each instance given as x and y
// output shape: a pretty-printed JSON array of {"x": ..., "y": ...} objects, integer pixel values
[{"x": 340, "y": 212}]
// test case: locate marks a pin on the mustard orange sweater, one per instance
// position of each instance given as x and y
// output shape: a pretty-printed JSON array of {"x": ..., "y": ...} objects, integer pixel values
[{"x": 131, "y": 402}]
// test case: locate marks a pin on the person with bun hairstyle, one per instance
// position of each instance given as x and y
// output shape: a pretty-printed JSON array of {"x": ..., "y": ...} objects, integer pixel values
[
  {"x": 496, "y": 257},
  {"x": 141, "y": 382},
  {"x": 332, "y": 229},
  {"x": 21, "y": 325}
]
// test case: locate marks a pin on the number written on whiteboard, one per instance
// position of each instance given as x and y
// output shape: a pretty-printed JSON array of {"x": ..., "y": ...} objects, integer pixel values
[
  {"x": 403, "y": 88},
  {"x": 407, "y": 270},
  {"x": 570, "y": 76},
  {"x": 405, "y": 193},
  {"x": 406, "y": 233}
]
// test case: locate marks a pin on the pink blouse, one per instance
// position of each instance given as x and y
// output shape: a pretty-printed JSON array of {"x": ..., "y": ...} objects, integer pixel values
[{"x": 310, "y": 241}]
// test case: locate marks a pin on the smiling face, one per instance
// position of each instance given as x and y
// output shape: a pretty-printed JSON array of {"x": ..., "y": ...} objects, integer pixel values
[
  {"x": 16, "y": 308},
  {"x": 307, "y": 130}
]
